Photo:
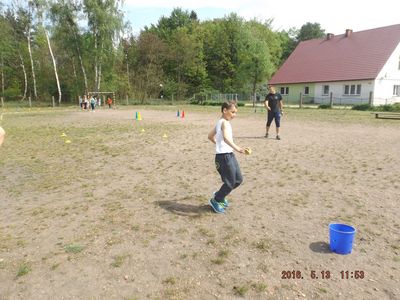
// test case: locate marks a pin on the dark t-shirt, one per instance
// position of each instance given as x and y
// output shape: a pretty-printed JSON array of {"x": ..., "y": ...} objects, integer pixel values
[{"x": 273, "y": 100}]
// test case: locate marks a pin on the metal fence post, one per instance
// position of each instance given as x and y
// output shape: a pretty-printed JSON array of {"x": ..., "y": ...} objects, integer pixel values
[
  {"x": 371, "y": 98},
  {"x": 301, "y": 100}
]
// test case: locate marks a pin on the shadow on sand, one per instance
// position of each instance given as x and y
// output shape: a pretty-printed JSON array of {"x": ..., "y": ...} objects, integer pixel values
[
  {"x": 184, "y": 209},
  {"x": 320, "y": 247}
]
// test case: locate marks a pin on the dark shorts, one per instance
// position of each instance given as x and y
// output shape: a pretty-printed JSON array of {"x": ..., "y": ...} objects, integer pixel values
[{"x": 274, "y": 116}]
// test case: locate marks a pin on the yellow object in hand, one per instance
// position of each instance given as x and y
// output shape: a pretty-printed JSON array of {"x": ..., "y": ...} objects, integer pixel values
[{"x": 247, "y": 151}]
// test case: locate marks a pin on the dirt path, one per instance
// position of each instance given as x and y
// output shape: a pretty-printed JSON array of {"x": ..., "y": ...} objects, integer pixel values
[{"x": 122, "y": 213}]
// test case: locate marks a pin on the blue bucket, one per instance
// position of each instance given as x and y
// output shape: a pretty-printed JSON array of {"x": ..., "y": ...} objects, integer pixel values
[{"x": 341, "y": 238}]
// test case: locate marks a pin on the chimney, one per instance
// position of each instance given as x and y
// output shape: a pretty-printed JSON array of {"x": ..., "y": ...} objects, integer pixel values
[
  {"x": 329, "y": 36},
  {"x": 348, "y": 32}
]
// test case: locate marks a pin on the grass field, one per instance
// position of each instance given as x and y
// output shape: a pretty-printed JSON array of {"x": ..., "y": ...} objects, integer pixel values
[{"x": 97, "y": 205}]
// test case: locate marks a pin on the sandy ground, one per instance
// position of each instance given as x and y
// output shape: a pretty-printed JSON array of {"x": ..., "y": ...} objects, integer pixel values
[{"x": 131, "y": 221}]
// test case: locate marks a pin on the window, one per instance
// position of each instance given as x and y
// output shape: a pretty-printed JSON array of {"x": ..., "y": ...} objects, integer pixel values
[
  {"x": 396, "y": 90},
  {"x": 352, "y": 89},
  {"x": 306, "y": 90},
  {"x": 285, "y": 90},
  {"x": 358, "y": 89},
  {"x": 325, "y": 90}
]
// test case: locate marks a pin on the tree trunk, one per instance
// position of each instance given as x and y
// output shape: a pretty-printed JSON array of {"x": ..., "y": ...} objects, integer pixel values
[
  {"x": 2, "y": 77},
  {"x": 99, "y": 67},
  {"x": 32, "y": 65},
  {"x": 76, "y": 78},
  {"x": 127, "y": 75},
  {"x": 81, "y": 62},
  {"x": 54, "y": 65},
  {"x": 25, "y": 77},
  {"x": 95, "y": 63}
]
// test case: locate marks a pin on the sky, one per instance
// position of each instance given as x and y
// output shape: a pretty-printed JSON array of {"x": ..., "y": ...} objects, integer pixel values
[{"x": 333, "y": 16}]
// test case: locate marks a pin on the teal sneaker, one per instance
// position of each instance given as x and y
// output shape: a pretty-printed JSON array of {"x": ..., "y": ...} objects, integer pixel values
[
  {"x": 225, "y": 202},
  {"x": 217, "y": 207}
]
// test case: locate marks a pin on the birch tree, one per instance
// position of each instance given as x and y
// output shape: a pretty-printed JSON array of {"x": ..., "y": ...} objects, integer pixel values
[
  {"x": 64, "y": 16},
  {"x": 41, "y": 6},
  {"x": 105, "y": 23}
]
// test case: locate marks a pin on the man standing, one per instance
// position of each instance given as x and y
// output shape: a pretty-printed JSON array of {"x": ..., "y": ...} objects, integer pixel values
[{"x": 274, "y": 105}]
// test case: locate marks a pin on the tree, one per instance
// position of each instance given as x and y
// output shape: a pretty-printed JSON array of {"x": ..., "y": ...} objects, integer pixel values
[
  {"x": 151, "y": 53},
  {"x": 105, "y": 24},
  {"x": 310, "y": 31},
  {"x": 41, "y": 9},
  {"x": 6, "y": 50},
  {"x": 288, "y": 42},
  {"x": 222, "y": 42},
  {"x": 64, "y": 17},
  {"x": 257, "y": 59}
]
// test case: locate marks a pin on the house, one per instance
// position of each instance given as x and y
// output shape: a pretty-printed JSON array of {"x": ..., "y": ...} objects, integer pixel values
[{"x": 352, "y": 68}]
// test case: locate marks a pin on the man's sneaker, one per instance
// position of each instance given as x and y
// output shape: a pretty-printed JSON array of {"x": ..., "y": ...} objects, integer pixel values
[
  {"x": 217, "y": 207},
  {"x": 266, "y": 135},
  {"x": 225, "y": 203},
  {"x": 278, "y": 137}
]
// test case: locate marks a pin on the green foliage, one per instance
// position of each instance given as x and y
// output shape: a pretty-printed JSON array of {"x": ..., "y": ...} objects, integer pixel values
[
  {"x": 310, "y": 31},
  {"x": 23, "y": 270},
  {"x": 212, "y": 103},
  {"x": 324, "y": 106},
  {"x": 186, "y": 56},
  {"x": 362, "y": 107},
  {"x": 387, "y": 107},
  {"x": 392, "y": 107}
]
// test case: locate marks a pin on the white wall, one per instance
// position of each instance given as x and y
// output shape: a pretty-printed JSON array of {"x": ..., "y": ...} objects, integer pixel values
[
  {"x": 386, "y": 79},
  {"x": 337, "y": 88}
]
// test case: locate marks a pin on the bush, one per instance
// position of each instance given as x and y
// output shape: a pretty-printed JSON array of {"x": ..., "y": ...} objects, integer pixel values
[
  {"x": 362, "y": 107},
  {"x": 214, "y": 103},
  {"x": 386, "y": 107},
  {"x": 324, "y": 106}
]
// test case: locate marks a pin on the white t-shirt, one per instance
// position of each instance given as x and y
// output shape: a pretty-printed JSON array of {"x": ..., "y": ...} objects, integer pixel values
[{"x": 220, "y": 145}]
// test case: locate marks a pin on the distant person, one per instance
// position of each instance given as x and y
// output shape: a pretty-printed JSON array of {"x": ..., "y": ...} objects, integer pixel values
[
  {"x": 80, "y": 101},
  {"x": 93, "y": 103},
  {"x": 2, "y": 135},
  {"x": 85, "y": 103},
  {"x": 225, "y": 161},
  {"x": 109, "y": 102},
  {"x": 274, "y": 104}
]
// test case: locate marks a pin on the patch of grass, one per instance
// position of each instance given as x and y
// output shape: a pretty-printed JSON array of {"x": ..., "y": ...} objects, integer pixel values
[
  {"x": 73, "y": 248},
  {"x": 170, "y": 280},
  {"x": 240, "y": 290},
  {"x": 23, "y": 270},
  {"x": 323, "y": 290},
  {"x": 206, "y": 232},
  {"x": 259, "y": 287},
  {"x": 222, "y": 255},
  {"x": 118, "y": 261},
  {"x": 55, "y": 266},
  {"x": 263, "y": 245}
]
